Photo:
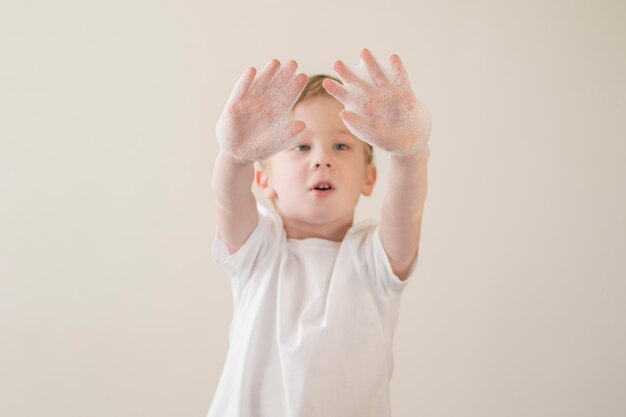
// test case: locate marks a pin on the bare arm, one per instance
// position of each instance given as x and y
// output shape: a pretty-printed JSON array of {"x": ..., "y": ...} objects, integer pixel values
[
  {"x": 235, "y": 205},
  {"x": 255, "y": 124},
  {"x": 402, "y": 209},
  {"x": 386, "y": 113}
]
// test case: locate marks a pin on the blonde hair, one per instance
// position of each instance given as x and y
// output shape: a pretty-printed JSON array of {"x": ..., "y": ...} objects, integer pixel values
[{"x": 314, "y": 88}]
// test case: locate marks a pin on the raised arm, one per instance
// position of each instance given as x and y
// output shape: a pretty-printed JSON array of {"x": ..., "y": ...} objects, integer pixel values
[
  {"x": 235, "y": 205},
  {"x": 402, "y": 210},
  {"x": 256, "y": 123},
  {"x": 384, "y": 112}
]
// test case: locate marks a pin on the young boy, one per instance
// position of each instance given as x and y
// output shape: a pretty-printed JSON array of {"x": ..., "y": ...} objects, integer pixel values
[{"x": 316, "y": 297}]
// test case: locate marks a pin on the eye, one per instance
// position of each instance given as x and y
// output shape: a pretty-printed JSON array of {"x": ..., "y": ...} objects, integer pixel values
[
  {"x": 298, "y": 147},
  {"x": 343, "y": 146}
]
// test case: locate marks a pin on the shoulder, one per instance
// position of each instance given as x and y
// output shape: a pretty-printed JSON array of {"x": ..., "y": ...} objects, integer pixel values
[
  {"x": 361, "y": 232},
  {"x": 260, "y": 246},
  {"x": 363, "y": 240},
  {"x": 270, "y": 220}
]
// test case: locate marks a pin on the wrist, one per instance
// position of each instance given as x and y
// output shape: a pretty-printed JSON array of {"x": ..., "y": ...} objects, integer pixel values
[
  {"x": 420, "y": 156},
  {"x": 232, "y": 160}
]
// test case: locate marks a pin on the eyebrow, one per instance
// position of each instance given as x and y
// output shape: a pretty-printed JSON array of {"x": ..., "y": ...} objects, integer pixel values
[{"x": 341, "y": 131}]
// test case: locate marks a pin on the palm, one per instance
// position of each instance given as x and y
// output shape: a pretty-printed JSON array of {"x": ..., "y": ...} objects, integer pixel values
[
  {"x": 384, "y": 113},
  {"x": 256, "y": 122}
]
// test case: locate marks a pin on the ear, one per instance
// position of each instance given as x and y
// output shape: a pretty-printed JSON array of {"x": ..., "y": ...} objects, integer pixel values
[
  {"x": 370, "y": 180},
  {"x": 262, "y": 181}
]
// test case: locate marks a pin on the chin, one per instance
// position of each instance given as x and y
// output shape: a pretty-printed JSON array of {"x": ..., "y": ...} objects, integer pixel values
[{"x": 325, "y": 215}]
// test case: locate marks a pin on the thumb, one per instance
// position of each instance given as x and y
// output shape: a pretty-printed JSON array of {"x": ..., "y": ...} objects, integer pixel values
[
  {"x": 296, "y": 128},
  {"x": 294, "y": 131}
]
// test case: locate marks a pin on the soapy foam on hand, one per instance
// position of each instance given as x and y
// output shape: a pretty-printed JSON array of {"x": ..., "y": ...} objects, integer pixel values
[
  {"x": 262, "y": 133},
  {"x": 266, "y": 140},
  {"x": 410, "y": 115},
  {"x": 361, "y": 71}
]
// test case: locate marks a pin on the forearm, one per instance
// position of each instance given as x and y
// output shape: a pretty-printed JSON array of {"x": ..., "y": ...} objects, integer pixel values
[
  {"x": 406, "y": 189},
  {"x": 236, "y": 210},
  {"x": 232, "y": 181},
  {"x": 402, "y": 209}
]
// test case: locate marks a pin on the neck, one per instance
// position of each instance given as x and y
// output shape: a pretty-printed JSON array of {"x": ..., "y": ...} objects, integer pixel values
[{"x": 335, "y": 230}]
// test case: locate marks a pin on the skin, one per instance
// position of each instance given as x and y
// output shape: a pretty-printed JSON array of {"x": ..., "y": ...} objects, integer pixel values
[
  {"x": 386, "y": 115},
  {"x": 326, "y": 150}
]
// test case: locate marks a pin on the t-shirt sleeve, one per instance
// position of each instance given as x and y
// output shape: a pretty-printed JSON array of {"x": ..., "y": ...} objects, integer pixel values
[
  {"x": 241, "y": 264},
  {"x": 385, "y": 280}
]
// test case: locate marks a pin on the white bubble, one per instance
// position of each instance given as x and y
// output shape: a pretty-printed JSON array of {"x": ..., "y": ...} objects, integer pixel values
[{"x": 387, "y": 113}]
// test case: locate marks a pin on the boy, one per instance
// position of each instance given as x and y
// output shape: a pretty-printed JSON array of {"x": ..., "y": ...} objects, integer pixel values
[{"x": 315, "y": 297}]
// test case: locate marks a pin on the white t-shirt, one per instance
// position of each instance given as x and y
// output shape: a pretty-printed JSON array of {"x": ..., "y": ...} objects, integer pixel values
[{"x": 312, "y": 327}]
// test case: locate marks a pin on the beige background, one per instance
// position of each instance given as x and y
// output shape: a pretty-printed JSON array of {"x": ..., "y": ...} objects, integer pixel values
[{"x": 110, "y": 304}]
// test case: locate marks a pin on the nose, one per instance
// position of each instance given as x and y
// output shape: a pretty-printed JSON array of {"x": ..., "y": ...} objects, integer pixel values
[{"x": 321, "y": 159}]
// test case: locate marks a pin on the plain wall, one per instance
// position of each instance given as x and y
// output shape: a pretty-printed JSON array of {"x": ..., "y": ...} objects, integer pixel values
[{"x": 110, "y": 304}]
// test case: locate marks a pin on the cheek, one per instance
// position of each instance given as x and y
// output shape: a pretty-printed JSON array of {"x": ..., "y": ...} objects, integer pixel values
[
  {"x": 355, "y": 181},
  {"x": 290, "y": 176}
]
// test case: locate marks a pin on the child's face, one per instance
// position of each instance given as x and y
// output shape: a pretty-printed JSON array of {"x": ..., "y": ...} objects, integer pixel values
[{"x": 326, "y": 151}]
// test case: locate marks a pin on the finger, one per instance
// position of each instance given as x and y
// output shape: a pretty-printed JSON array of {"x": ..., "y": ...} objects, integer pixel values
[
  {"x": 295, "y": 128},
  {"x": 374, "y": 69},
  {"x": 295, "y": 89},
  {"x": 286, "y": 71},
  {"x": 336, "y": 90},
  {"x": 242, "y": 84},
  {"x": 266, "y": 75},
  {"x": 401, "y": 77},
  {"x": 347, "y": 76},
  {"x": 353, "y": 119},
  {"x": 284, "y": 75}
]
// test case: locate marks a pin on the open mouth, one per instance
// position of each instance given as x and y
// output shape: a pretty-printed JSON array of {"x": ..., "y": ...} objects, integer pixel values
[{"x": 322, "y": 188}]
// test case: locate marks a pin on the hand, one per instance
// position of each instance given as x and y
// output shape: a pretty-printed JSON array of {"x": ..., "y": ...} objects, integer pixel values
[
  {"x": 384, "y": 113},
  {"x": 257, "y": 121}
]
